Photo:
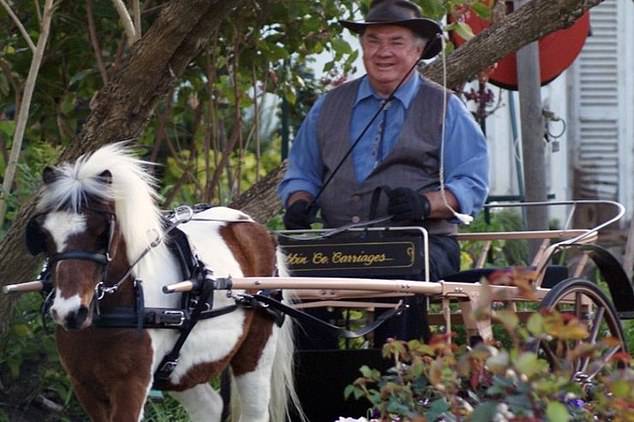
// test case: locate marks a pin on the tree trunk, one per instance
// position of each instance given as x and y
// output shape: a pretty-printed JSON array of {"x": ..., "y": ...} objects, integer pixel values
[{"x": 122, "y": 108}]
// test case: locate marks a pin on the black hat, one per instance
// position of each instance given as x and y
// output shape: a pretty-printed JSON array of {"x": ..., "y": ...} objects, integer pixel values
[{"x": 402, "y": 13}]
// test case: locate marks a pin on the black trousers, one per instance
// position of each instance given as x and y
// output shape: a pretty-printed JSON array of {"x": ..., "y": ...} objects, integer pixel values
[{"x": 444, "y": 259}]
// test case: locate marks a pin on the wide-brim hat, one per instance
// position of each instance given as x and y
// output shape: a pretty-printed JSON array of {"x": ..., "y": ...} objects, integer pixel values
[{"x": 401, "y": 13}]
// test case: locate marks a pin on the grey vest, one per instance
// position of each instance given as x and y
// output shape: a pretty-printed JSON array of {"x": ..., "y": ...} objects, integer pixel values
[{"x": 414, "y": 161}]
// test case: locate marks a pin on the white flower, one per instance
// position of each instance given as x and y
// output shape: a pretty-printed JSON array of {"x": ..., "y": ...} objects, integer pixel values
[{"x": 503, "y": 414}]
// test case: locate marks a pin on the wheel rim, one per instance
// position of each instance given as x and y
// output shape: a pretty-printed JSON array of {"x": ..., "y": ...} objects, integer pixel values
[{"x": 586, "y": 302}]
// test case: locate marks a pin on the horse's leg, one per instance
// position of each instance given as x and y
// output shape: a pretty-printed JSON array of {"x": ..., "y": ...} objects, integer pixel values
[
  {"x": 253, "y": 376},
  {"x": 202, "y": 403},
  {"x": 96, "y": 407},
  {"x": 128, "y": 398}
]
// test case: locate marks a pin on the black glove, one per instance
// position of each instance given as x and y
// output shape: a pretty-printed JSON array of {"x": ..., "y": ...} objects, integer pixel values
[
  {"x": 299, "y": 216},
  {"x": 407, "y": 204}
]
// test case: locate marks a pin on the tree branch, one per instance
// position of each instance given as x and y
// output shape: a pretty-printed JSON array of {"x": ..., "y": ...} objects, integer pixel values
[
  {"x": 523, "y": 26},
  {"x": 21, "y": 28},
  {"x": 126, "y": 21},
  {"x": 25, "y": 105},
  {"x": 94, "y": 41},
  {"x": 136, "y": 12}
]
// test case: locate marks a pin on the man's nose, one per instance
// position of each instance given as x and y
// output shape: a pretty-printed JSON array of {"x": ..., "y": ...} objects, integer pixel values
[{"x": 384, "y": 50}]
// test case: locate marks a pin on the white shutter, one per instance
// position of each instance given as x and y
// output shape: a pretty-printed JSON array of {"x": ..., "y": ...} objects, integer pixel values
[{"x": 596, "y": 128}]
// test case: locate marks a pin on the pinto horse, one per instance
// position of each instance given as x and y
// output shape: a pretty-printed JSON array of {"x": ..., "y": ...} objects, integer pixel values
[{"x": 94, "y": 219}]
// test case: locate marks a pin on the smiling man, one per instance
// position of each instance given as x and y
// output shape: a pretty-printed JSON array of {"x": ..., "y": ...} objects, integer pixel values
[{"x": 400, "y": 151}]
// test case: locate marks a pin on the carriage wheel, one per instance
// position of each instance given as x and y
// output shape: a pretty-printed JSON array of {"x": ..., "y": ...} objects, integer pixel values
[{"x": 591, "y": 306}]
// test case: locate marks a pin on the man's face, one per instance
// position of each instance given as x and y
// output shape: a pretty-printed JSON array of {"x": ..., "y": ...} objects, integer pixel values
[{"x": 389, "y": 52}]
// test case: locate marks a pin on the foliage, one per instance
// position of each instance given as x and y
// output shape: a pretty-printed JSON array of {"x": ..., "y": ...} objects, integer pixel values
[
  {"x": 502, "y": 253},
  {"x": 442, "y": 382},
  {"x": 29, "y": 361}
]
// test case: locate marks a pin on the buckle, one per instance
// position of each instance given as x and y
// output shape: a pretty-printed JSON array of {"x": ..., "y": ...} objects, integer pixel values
[
  {"x": 167, "y": 368},
  {"x": 169, "y": 321}
]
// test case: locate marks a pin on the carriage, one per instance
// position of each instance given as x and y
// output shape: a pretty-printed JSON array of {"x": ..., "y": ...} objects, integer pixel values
[{"x": 113, "y": 263}]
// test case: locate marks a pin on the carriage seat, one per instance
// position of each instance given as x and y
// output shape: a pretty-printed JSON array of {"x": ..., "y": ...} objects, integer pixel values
[{"x": 553, "y": 275}]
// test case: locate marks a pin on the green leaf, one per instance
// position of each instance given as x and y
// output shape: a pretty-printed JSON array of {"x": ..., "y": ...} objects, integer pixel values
[
  {"x": 433, "y": 8},
  {"x": 482, "y": 10},
  {"x": 621, "y": 388},
  {"x": 370, "y": 373},
  {"x": 528, "y": 364},
  {"x": 7, "y": 127},
  {"x": 485, "y": 412},
  {"x": 464, "y": 30},
  {"x": 21, "y": 330},
  {"x": 349, "y": 391},
  {"x": 535, "y": 324},
  {"x": 80, "y": 76},
  {"x": 557, "y": 412},
  {"x": 341, "y": 46},
  {"x": 436, "y": 409},
  {"x": 67, "y": 104}
]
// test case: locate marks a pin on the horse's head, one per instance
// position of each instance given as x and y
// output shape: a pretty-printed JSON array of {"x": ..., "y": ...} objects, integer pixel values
[
  {"x": 83, "y": 245},
  {"x": 93, "y": 218}
]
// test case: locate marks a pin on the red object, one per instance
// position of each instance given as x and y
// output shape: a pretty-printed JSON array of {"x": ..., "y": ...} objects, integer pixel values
[{"x": 557, "y": 51}]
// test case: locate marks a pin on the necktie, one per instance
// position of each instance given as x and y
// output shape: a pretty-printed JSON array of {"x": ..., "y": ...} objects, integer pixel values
[{"x": 378, "y": 143}]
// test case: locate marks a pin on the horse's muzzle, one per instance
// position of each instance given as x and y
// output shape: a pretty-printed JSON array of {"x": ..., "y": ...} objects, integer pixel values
[{"x": 76, "y": 320}]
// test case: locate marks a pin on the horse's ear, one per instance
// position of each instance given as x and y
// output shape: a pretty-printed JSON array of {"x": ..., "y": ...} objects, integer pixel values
[
  {"x": 105, "y": 177},
  {"x": 49, "y": 175},
  {"x": 34, "y": 236}
]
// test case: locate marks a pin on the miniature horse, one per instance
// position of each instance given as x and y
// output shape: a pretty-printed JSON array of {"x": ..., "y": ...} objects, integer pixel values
[{"x": 104, "y": 203}]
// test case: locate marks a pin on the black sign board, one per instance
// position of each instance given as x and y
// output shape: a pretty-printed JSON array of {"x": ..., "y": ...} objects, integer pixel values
[{"x": 367, "y": 254}]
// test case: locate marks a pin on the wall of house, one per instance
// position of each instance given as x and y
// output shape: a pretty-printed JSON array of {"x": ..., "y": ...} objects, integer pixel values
[{"x": 595, "y": 98}]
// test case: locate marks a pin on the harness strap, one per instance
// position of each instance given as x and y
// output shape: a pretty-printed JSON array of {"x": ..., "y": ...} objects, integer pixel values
[
  {"x": 99, "y": 258},
  {"x": 170, "y": 360},
  {"x": 303, "y": 316}
]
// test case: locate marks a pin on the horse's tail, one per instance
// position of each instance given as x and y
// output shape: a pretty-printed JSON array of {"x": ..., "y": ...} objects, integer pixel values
[{"x": 284, "y": 398}]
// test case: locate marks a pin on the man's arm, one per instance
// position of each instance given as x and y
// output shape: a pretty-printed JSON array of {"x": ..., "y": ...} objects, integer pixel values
[
  {"x": 299, "y": 196},
  {"x": 437, "y": 205},
  {"x": 466, "y": 164},
  {"x": 303, "y": 177}
]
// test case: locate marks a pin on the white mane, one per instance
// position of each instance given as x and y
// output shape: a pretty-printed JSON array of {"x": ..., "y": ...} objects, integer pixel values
[{"x": 132, "y": 191}]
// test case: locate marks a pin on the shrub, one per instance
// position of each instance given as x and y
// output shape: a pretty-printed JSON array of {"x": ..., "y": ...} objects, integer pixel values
[{"x": 440, "y": 381}]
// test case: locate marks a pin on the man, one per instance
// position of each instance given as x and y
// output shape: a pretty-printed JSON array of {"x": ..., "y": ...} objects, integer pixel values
[{"x": 401, "y": 149}]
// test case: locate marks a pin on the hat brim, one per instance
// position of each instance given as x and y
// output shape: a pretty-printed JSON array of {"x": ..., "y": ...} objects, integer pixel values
[{"x": 426, "y": 28}]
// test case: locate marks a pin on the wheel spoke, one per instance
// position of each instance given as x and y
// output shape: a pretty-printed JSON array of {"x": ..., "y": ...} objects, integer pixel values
[
  {"x": 590, "y": 306},
  {"x": 578, "y": 304},
  {"x": 604, "y": 361},
  {"x": 551, "y": 355},
  {"x": 596, "y": 324}
]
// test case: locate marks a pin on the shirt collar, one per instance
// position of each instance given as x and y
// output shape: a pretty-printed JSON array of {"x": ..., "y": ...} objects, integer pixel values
[{"x": 404, "y": 94}]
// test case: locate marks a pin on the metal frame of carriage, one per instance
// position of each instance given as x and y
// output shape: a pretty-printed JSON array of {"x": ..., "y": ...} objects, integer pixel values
[
  {"x": 582, "y": 295},
  {"x": 358, "y": 293}
]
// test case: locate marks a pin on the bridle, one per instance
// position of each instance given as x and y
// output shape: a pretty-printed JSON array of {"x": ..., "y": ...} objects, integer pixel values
[{"x": 101, "y": 258}]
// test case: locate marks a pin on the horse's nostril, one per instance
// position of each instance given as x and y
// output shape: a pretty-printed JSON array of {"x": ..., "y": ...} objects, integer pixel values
[{"x": 75, "y": 319}]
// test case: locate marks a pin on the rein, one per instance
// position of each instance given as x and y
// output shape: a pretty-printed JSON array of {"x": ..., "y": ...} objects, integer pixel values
[{"x": 383, "y": 106}]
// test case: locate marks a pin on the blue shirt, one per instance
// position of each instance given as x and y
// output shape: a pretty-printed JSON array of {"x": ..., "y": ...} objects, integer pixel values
[{"x": 466, "y": 163}]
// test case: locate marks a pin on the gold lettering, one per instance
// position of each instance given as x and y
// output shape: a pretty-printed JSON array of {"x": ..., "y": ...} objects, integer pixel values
[
  {"x": 319, "y": 258},
  {"x": 362, "y": 258},
  {"x": 294, "y": 258}
]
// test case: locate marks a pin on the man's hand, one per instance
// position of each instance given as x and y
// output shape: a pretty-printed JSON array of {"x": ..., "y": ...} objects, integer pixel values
[
  {"x": 407, "y": 204},
  {"x": 299, "y": 215}
]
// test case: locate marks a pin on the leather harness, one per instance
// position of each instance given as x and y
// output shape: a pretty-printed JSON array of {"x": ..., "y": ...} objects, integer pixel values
[{"x": 195, "y": 306}]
